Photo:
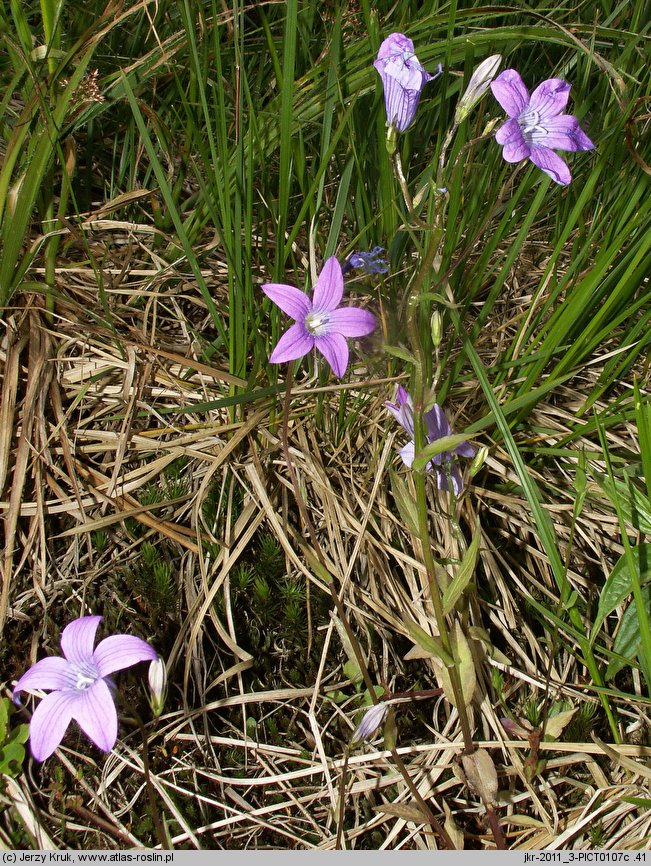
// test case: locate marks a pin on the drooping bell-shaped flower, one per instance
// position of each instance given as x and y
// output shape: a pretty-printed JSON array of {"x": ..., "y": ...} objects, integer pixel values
[
  {"x": 437, "y": 426},
  {"x": 403, "y": 78}
]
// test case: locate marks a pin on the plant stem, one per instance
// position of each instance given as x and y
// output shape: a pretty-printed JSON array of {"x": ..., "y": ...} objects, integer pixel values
[
  {"x": 307, "y": 523},
  {"x": 151, "y": 792},
  {"x": 420, "y": 480}
]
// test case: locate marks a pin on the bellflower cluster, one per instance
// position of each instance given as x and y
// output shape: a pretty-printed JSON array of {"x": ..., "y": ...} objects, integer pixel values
[
  {"x": 372, "y": 262},
  {"x": 536, "y": 126},
  {"x": 437, "y": 426},
  {"x": 319, "y": 322},
  {"x": 403, "y": 78},
  {"x": 79, "y": 686}
]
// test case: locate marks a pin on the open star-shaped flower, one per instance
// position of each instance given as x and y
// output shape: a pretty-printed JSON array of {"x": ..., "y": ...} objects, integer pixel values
[
  {"x": 537, "y": 126},
  {"x": 403, "y": 78},
  {"x": 436, "y": 426},
  {"x": 79, "y": 686},
  {"x": 319, "y": 322}
]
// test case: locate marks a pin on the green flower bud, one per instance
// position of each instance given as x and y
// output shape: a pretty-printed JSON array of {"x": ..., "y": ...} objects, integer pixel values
[
  {"x": 478, "y": 462},
  {"x": 436, "y": 328},
  {"x": 478, "y": 85},
  {"x": 157, "y": 686}
]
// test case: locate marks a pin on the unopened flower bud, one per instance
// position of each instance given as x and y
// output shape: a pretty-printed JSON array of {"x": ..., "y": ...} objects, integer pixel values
[
  {"x": 157, "y": 686},
  {"x": 478, "y": 85},
  {"x": 436, "y": 328},
  {"x": 478, "y": 462},
  {"x": 371, "y": 721}
]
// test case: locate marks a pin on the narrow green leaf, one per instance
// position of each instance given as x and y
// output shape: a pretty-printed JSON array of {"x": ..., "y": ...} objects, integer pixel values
[
  {"x": 405, "y": 502},
  {"x": 445, "y": 443},
  {"x": 618, "y": 586},
  {"x": 399, "y": 352},
  {"x": 643, "y": 419},
  {"x": 628, "y": 641},
  {"x": 465, "y": 664},
  {"x": 464, "y": 573},
  {"x": 633, "y": 502},
  {"x": 427, "y": 641}
]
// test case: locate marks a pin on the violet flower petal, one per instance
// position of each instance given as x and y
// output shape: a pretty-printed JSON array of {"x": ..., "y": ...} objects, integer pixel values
[
  {"x": 329, "y": 286},
  {"x": 396, "y": 43},
  {"x": 52, "y": 672},
  {"x": 403, "y": 396},
  {"x": 352, "y": 321},
  {"x": 581, "y": 140},
  {"x": 509, "y": 132},
  {"x": 455, "y": 476},
  {"x": 95, "y": 713},
  {"x": 394, "y": 409},
  {"x": 557, "y": 133},
  {"x": 465, "y": 450},
  {"x": 78, "y": 638},
  {"x": 436, "y": 423},
  {"x": 291, "y": 300},
  {"x": 370, "y": 723},
  {"x": 537, "y": 126},
  {"x": 516, "y": 151},
  {"x": 437, "y": 426},
  {"x": 550, "y": 98},
  {"x": 403, "y": 410},
  {"x": 408, "y": 452},
  {"x": 293, "y": 344},
  {"x": 49, "y": 723},
  {"x": 371, "y": 260},
  {"x": 334, "y": 349},
  {"x": 511, "y": 92},
  {"x": 400, "y": 104},
  {"x": 551, "y": 163},
  {"x": 121, "y": 651}
]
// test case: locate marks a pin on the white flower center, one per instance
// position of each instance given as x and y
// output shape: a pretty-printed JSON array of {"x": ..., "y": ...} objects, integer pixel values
[
  {"x": 317, "y": 323},
  {"x": 84, "y": 675},
  {"x": 529, "y": 122}
]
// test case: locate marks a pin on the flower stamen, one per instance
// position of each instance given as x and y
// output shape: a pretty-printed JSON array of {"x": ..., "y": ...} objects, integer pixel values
[{"x": 317, "y": 322}]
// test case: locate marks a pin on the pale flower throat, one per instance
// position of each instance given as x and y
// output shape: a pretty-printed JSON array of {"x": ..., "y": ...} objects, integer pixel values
[
  {"x": 82, "y": 676},
  {"x": 529, "y": 122},
  {"x": 317, "y": 323}
]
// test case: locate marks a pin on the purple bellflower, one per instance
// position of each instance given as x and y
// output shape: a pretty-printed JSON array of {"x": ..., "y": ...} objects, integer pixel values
[
  {"x": 436, "y": 426},
  {"x": 319, "y": 322},
  {"x": 79, "y": 686},
  {"x": 536, "y": 126},
  {"x": 403, "y": 78}
]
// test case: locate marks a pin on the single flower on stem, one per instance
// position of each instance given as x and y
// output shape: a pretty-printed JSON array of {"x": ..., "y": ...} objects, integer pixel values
[
  {"x": 370, "y": 723},
  {"x": 437, "y": 426},
  {"x": 403, "y": 78},
  {"x": 537, "y": 126},
  {"x": 79, "y": 686},
  {"x": 319, "y": 322}
]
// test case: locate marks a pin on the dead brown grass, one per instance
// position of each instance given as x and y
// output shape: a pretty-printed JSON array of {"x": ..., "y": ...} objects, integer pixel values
[{"x": 97, "y": 403}]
